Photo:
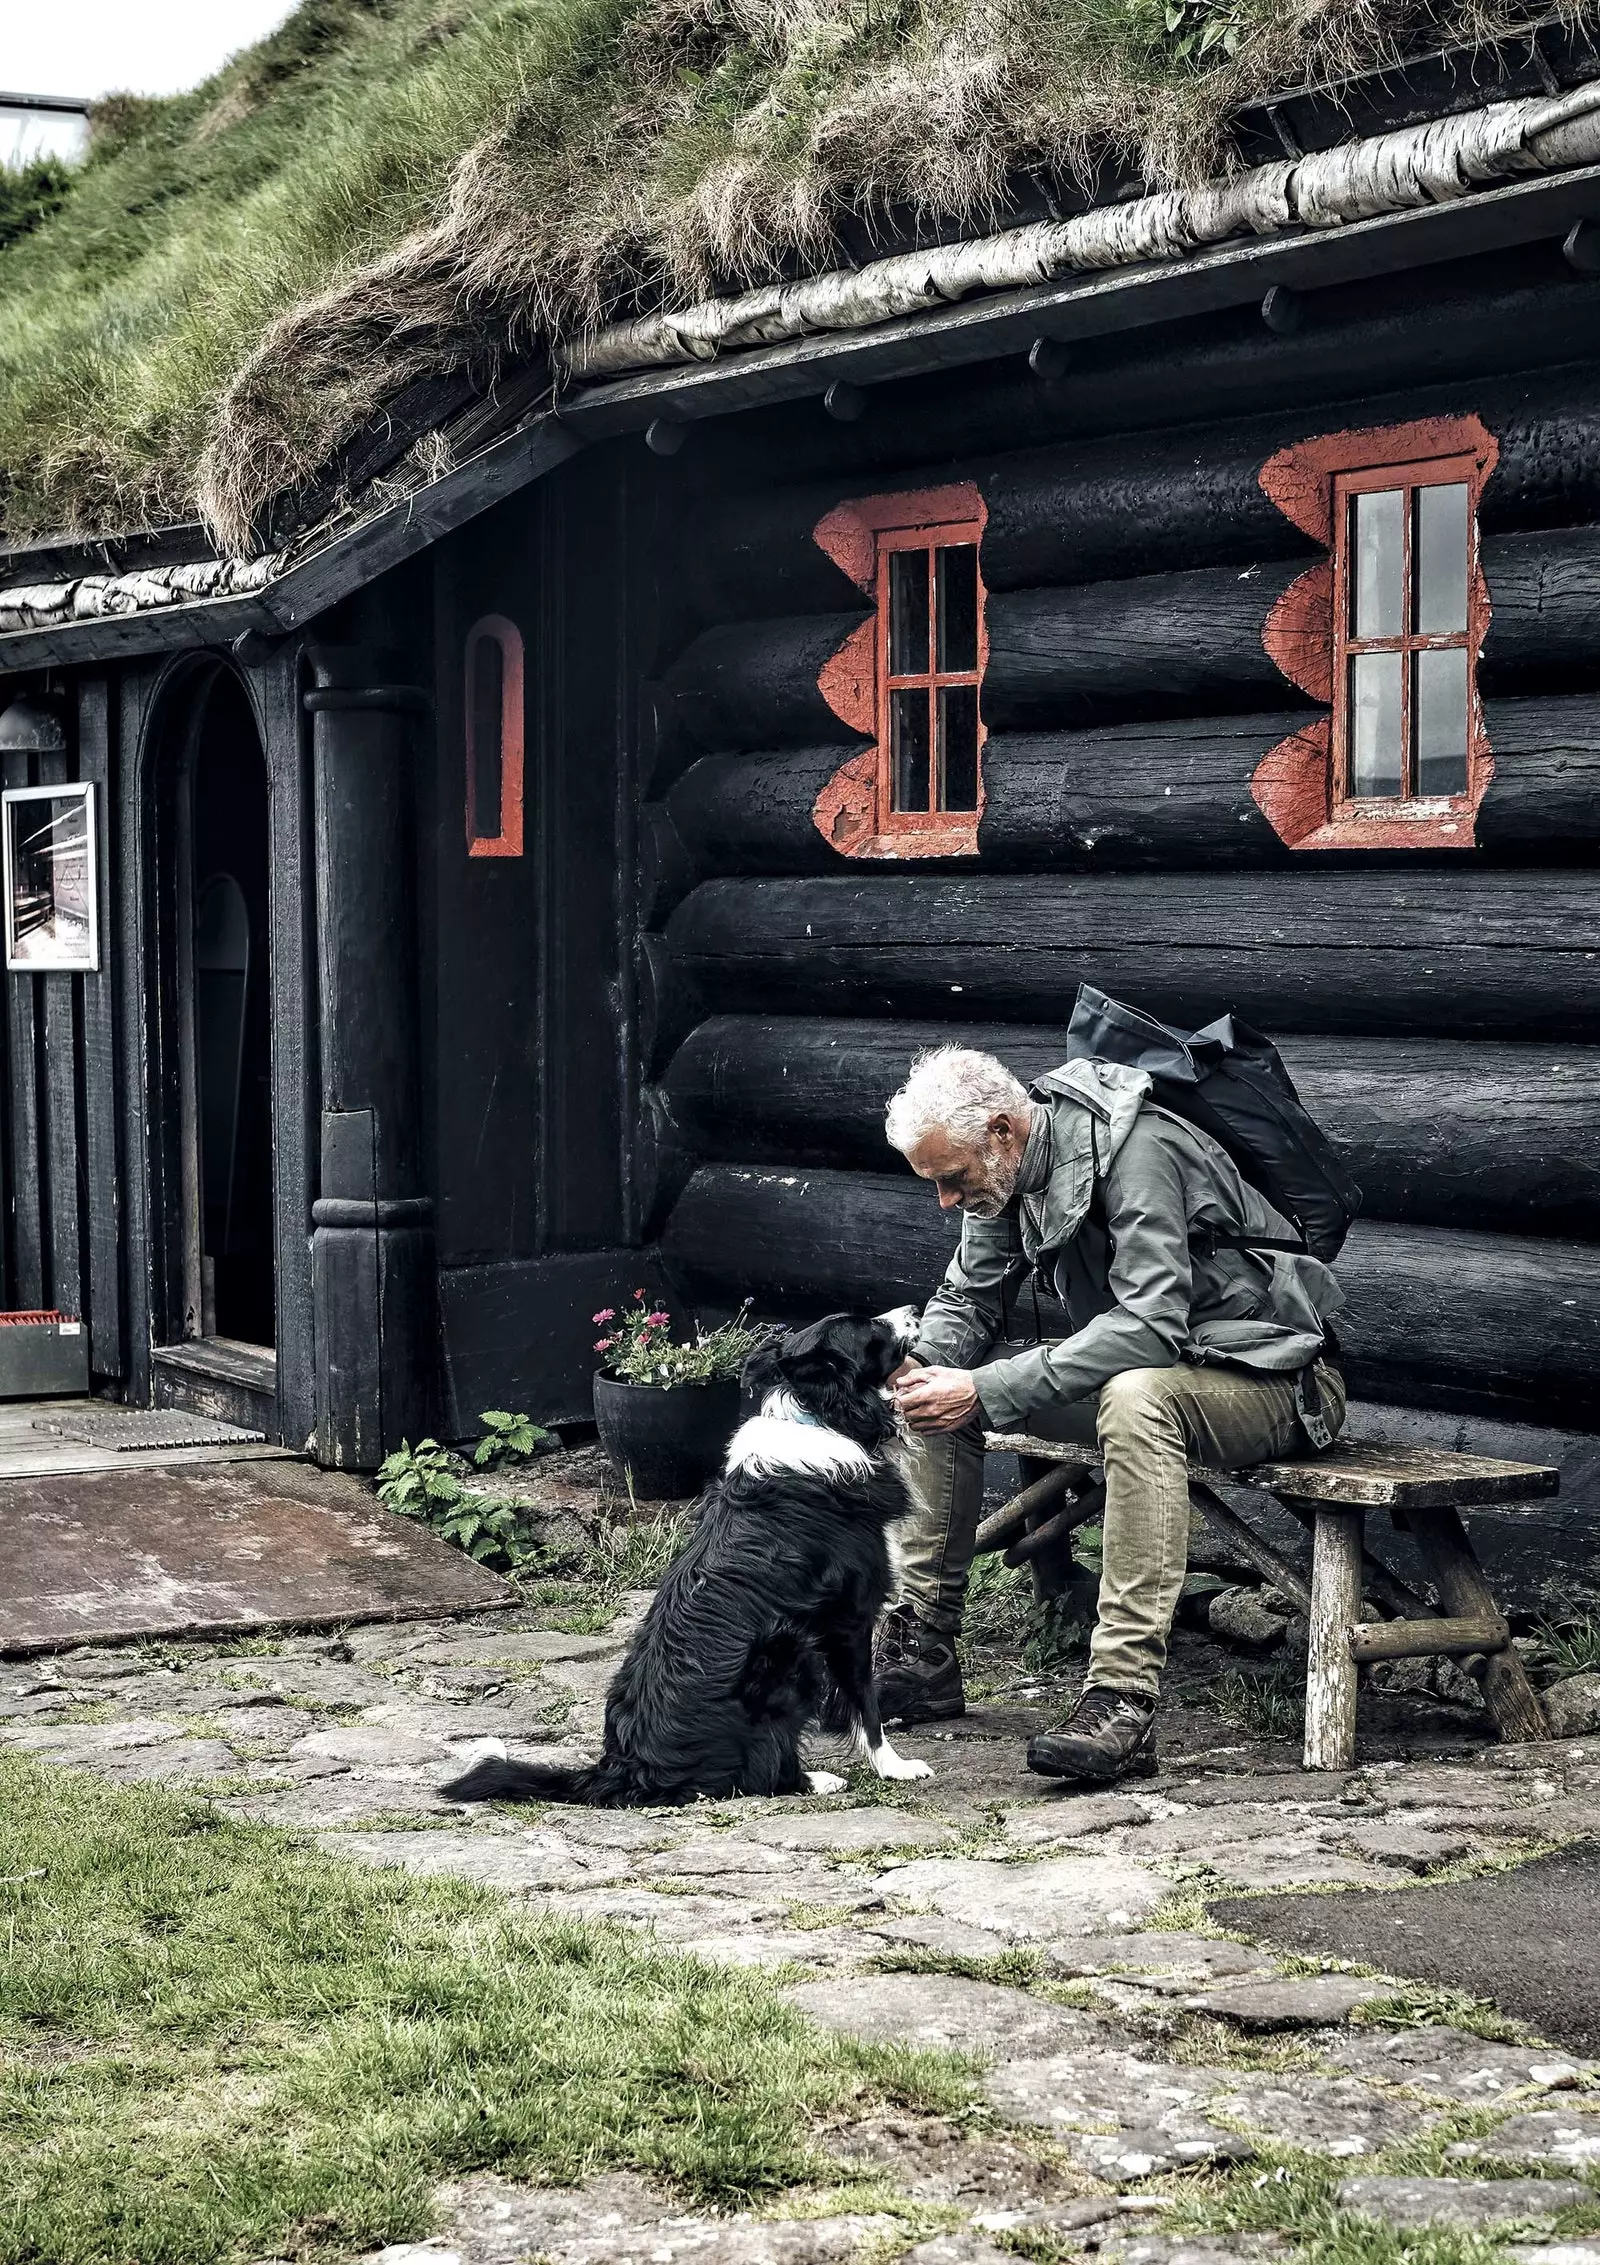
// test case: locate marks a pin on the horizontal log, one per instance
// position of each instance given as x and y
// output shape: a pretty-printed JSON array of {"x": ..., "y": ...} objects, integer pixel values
[
  {"x": 1128, "y": 503},
  {"x": 1029, "y": 1547},
  {"x": 1171, "y": 793},
  {"x": 1424, "y": 1639},
  {"x": 1158, "y": 645},
  {"x": 1493, "y": 1322},
  {"x": 1436, "y": 1131},
  {"x": 1389, "y": 950},
  {"x": 995, "y": 1531},
  {"x": 754, "y": 683}
]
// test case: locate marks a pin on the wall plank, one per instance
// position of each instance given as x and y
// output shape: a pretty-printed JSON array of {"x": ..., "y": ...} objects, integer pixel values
[
  {"x": 1391, "y": 951},
  {"x": 1436, "y": 1131},
  {"x": 1437, "y": 1316}
]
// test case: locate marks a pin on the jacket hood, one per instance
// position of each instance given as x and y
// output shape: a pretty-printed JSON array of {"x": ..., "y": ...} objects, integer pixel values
[{"x": 1093, "y": 1107}]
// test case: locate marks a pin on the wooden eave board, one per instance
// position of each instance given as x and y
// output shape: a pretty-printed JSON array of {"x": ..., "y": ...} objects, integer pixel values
[{"x": 172, "y": 1550}]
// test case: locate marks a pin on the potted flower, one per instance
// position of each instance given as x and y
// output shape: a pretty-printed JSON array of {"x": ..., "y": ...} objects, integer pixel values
[{"x": 665, "y": 1410}]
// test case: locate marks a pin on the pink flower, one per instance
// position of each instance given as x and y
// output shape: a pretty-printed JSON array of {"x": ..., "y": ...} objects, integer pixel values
[
  {"x": 660, "y": 1319},
  {"x": 638, "y": 1293},
  {"x": 606, "y": 1313},
  {"x": 604, "y": 1344}
]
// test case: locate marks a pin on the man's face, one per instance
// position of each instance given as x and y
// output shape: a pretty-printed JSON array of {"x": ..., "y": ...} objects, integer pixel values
[{"x": 979, "y": 1180}]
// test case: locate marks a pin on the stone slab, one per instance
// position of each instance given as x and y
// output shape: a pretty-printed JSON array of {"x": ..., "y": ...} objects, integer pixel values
[
  {"x": 1458, "y": 2202},
  {"x": 1299, "y": 2001},
  {"x": 1067, "y": 1895},
  {"x": 1452, "y": 2064},
  {"x": 1326, "y": 2115},
  {"x": 850, "y": 1832},
  {"x": 1562, "y": 2136},
  {"x": 1157, "y": 1959},
  {"x": 188, "y": 1551},
  {"x": 948, "y": 2012},
  {"x": 532, "y": 1861}
]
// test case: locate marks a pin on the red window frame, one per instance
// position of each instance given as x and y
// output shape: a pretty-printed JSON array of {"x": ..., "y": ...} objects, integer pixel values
[
  {"x": 506, "y": 840},
  {"x": 938, "y": 817},
  {"x": 1408, "y": 480}
]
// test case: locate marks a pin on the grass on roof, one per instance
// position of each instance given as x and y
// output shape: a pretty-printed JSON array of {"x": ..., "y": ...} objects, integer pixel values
[
  {"x": 390, "y": 189},
  {"x": 218, "y": 2043}
]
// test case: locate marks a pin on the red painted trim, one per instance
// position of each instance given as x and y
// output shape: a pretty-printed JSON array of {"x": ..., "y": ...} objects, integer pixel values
[
  {"x": 1298, "y": 784},
  {"x": 507, "y": 840},
  {"x": 853, "y": 812},
  {"x": 849, "y": 532}
]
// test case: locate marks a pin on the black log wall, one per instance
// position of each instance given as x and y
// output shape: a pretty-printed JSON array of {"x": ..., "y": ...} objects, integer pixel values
[{"x": 1440, "y": 1012}]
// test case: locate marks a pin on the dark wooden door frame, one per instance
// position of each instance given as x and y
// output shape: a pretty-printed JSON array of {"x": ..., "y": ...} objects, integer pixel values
[{"x": 167, "y": 709}]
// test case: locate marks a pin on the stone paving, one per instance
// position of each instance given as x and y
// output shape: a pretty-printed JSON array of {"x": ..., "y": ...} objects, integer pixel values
[{"x": 1122, "y": 2048}]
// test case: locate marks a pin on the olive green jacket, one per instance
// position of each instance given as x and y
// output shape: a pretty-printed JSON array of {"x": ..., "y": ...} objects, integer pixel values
[{"x": 1141, "y": 1285}]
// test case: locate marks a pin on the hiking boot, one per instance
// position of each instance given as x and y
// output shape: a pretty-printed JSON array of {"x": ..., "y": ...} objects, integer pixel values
[
  {"x": 917, "y": 1672},
  {"x": 1109, "y": 1734}
]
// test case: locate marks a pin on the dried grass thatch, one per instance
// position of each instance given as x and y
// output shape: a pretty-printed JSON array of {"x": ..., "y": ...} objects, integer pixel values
[{"x": 531, "y": 166}]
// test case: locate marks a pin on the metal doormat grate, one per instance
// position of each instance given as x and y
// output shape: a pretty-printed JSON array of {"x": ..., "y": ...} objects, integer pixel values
[{"x": 131, "y": 1428}]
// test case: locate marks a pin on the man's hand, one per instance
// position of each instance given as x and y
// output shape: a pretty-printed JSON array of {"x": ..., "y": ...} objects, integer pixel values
[{"x": 936, "y": 1399}]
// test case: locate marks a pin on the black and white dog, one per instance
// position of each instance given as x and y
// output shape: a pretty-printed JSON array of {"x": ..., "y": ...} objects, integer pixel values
[{"x": 763, "y": 1625}]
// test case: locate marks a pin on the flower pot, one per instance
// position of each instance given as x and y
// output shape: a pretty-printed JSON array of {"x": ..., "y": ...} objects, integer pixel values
[{"x": 670, "y": 1438}]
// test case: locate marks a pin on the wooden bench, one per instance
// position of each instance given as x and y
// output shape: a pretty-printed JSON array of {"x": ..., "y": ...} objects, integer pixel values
[{"x": 1424, "y": 1490}]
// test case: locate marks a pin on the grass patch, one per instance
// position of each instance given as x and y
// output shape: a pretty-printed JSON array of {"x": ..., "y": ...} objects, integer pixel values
[
  {"x": 222, "y": 2043},
  {"x": 1269, "y": 1702},
  {"x": 1571, "y": 1649}
]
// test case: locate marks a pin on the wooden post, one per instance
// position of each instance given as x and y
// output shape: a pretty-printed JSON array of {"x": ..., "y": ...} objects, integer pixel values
[
  {"x": 374, "y": 1273},
  {"x": 1452, "y": 1565},
  {"x": 1335, "y": 1607}
]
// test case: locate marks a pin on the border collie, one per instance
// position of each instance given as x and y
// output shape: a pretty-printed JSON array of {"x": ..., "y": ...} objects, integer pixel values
[{"x": 763, "y": 1625}]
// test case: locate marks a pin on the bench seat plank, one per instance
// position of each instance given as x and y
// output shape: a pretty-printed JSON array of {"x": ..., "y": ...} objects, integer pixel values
[
  {"x": 1405, "y": 1478},
  {"x": 1362, "y": 1478}
]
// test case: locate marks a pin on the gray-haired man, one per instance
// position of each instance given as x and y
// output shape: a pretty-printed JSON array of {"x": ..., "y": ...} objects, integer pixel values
[{"x": 1177, "y": 1348}]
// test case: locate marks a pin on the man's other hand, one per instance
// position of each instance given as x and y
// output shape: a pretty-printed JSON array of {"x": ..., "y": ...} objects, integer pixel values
[{"x": 936, "y": 1399}]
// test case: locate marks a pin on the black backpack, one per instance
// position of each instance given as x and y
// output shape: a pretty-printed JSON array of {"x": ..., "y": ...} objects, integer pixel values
[{"x": 1227, "y": 1079}]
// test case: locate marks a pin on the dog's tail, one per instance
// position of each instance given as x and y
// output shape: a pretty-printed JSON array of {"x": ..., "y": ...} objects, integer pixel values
[{"x": 605, "y": 1784}]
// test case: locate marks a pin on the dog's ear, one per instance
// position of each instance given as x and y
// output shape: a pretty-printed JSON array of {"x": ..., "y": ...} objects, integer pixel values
[{"x": 761, "y": 1373}]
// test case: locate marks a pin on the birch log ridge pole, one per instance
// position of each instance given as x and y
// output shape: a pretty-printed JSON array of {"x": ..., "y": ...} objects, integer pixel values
[{"x": 1335, "y": 1607}]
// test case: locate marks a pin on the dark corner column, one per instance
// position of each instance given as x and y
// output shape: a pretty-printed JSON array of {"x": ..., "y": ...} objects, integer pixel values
[{"x": 373, "y": 1262}]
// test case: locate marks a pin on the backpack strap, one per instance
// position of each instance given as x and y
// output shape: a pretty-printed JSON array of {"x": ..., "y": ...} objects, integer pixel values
[{"x": 1209, "y": 1240}]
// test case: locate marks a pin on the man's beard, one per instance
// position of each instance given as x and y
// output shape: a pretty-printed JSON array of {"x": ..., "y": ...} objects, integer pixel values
[{"x": 999, "y": 1175}]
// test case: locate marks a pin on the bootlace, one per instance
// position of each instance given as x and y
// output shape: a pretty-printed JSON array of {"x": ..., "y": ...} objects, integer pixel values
[{"x": 1098, "y": 1706}]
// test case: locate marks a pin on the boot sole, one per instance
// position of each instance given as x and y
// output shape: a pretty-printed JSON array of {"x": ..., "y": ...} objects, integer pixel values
[
  {"x": 1145, "y": 1763},
  {"x": 933, "y": 1710}
]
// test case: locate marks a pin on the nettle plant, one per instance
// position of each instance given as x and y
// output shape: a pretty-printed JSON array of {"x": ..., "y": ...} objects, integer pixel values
[
  {"x": 641, "y": 1348},
  {"x": 425, "y": 1482}
]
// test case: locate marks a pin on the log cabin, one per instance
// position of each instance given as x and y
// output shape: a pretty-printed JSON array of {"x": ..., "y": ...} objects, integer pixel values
[{"x": 528, "y": 861}]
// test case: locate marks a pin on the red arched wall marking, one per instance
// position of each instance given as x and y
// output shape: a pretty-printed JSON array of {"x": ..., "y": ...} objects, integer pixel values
[
  {"x": 506, "y": 841},
  {"x": 1293, "y": 783},
  {"x": 846, "y": 812}
]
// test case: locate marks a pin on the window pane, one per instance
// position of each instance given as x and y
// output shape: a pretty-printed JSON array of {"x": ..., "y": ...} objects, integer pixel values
[
  {"x": 1375, "y": 766},
  {"x": 956, "y": 581},
  {"x": 1440, "y": 560},
  {"x": 488, "y": 672},
  {"x": 908, "y": 613},
  {"x": 1439, "y": 706},
  {"x": 958, "y": 747},
  {"x": 1377, "y": 576},
  {"x": 909, "y": 749}
]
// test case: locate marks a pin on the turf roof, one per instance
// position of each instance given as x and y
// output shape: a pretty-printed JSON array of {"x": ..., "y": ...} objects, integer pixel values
[{"x": 388, "y": 190}]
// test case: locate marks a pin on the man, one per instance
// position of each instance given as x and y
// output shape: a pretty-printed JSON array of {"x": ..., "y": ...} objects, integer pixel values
[{"x": 1179, "y": 1346}]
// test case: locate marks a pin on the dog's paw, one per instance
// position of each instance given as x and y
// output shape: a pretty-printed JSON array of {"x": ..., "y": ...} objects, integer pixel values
[
  {"x": 897, "y": 1766},
  {"x": 824, "y": 1781}
]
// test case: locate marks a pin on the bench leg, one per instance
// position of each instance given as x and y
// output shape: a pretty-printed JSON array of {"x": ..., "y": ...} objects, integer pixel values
[
  {"x": 1335, "y": 1607},
  {"x": 1451, "y": 1563}
]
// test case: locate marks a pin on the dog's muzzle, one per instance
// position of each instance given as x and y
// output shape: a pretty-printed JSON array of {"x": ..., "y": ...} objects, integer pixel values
[{"x": 904, "y": 1320}]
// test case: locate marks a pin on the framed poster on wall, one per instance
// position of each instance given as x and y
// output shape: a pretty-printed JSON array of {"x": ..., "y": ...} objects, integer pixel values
[{"x": 49, "y": 877}]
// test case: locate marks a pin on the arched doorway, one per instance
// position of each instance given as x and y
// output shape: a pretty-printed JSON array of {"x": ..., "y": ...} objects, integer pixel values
[{"x": 213, "y": 1177}]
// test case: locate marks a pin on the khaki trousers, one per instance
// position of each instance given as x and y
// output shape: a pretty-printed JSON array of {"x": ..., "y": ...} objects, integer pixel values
[{"x": 1148, "y": 1423}]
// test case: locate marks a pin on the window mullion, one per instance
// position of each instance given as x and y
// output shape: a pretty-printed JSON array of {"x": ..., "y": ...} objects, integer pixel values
[{"x": 1408, "y": 666}]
